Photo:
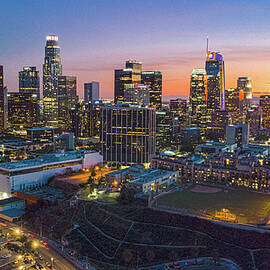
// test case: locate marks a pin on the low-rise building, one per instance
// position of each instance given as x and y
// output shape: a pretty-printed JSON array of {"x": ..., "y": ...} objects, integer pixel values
[{"x": 32, "y": 173}]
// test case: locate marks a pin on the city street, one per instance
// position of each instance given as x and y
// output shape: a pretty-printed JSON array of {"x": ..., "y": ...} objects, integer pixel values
[{"x": 48, "y": 256}]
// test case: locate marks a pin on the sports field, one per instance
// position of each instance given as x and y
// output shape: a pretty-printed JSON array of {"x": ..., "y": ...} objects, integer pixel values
[{"x": 247, "y": 206}]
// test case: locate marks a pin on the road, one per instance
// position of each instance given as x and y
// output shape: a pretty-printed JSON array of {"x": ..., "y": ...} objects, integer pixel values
[{"x": 59, "y": 261}]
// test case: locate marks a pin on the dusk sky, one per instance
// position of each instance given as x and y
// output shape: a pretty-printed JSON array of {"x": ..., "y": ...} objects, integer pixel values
[{"x": 97, "y": 36}]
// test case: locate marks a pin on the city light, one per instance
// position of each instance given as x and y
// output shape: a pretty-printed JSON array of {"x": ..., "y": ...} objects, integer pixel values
[{"x": 35, "y": 244}]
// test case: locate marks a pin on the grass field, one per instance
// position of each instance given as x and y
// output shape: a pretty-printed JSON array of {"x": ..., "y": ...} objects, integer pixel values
[{"x": 249, "y": 207}]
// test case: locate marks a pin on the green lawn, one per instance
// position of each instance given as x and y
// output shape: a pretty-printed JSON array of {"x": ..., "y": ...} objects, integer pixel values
[{"x": 249, "y": 207}]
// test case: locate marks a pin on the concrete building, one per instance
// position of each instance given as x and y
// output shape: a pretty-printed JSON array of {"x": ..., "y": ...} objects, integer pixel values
[
  {"x": 237, "y": 134},
  {"x": 91, "y": 92},
  {"x": 33, "y": 173},
  {"x": 3, "y": 102},
  {"x": 127, "y": 134},
  {"x": 137, "y": 94}
]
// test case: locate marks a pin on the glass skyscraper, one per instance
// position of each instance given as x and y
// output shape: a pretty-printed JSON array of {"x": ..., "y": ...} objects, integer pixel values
[
  {"x": 198, "y": 99},
  {"x": 52, "y": 68},
  {"x": 29, "y": 81},
  {"x": 214, "y": 67}
]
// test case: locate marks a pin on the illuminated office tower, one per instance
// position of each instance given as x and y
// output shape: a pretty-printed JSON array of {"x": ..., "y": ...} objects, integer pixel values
[
  {"x": 52, "y": 68},
  {"x": 23, "y": 110},
  {"x": 244, "y": 83},
  {"x": 3, "y": 102},
  {"x": 136, "y": 94},
  {"x": 265, "y": 106},
  {"x": 198, "y": 99},
  {"x": 164, "y": 127},
  {"x": 178, "y": 107},
  {"x": 29, "y": 81},
  {"x": 67, "y": 99},
  {"x": 232, "y": 104},
  {"x": 129, "y": 75},
  {"x": 214, "y": 67},
  {"x": 154, "y": 80},
  {"x": 91, "y": 92},
  {"x": 127, "y": 134},
  {"x": 254, "y": 119},
  {"x": 85, "y": 120},
  {"x": 238, "y": 134}
]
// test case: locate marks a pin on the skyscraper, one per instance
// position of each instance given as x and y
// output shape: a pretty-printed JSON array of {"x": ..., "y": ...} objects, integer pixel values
[
  {"x": 129, "y": 75},
  {"x": 232, "y": 104},
  {"x": 52, "y": 68},
  {"x": 23, "y": 110},
  {"x": 214, "y": 67},
  {"x": 136, "y": 94},
  {"x": 244, "y": 83},
  {"x": 67, "y": 99},
  {"x": 265, "y": 105},
  {"x": 198, "y": 99},
  {"x": 29, "y": 81},
  {"x": 154, "y": 80},
  {"x": 127, "y": 134},
  {"x": 178, "y": 107},
  {"x": 3, "y": 102},
  {"x": 91, "y": 92}
]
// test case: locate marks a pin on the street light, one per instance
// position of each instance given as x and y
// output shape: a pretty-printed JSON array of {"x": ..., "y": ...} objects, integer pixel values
[
  {"x": 52, "y": 260},
  {"x": 20, "y": 257},
  {"x": 35, "y": 244},
  {"x": 17, "y": 231}
]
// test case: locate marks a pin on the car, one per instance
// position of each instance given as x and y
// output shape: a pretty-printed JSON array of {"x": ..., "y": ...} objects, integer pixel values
[{"x": 48, "y": 265}]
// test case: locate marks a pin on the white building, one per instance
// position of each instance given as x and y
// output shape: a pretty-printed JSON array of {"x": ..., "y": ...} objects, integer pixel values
[
  {"x": 30, "y": 173},
  {"x": 153, "y": 179}
]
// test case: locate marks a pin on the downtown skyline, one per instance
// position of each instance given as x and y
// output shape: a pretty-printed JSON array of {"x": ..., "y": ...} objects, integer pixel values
[{"x": 174, "y": 45}]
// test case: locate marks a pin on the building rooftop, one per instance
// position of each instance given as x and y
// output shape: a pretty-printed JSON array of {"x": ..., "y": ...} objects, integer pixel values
[
  {"x": 151, "y": 174},
  {"x": 45, "y": 159},
  {"x": 10, "y": 200}
]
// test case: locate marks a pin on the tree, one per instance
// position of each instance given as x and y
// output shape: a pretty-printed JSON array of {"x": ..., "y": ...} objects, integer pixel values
[{"x": 93, "y": 172}]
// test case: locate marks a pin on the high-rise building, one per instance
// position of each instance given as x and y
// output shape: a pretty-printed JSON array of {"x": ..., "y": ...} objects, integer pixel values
[
  {"x": 232, "y": 105},
  {"x": 127, "y": 134},
  {"x": 154, "y": 80},
  {"x": 178, "y": 107},
  {"x": 254, "y": 119},
  {"x": 198, "y": 99},
  {"x": 214, "y": 67},
  {"x": 3, "y": 102},
  {"x": 29, "y": 81},
  {"x": 66, "y": 98},
  {"x": 265, "y": 105},
  {"x": 130, "y": 75},
  {"x": 52, "y": 68},
  {"x": 91, "y": 92},
  {"x": 237, "y": 134},
  {"x": 164, "y": 127},
  {"x": 136, "y": 94},
  {"x": 85, "y": 120},
  {"x": 244, "y": 83},
  {"x": 23, "y": 110}
]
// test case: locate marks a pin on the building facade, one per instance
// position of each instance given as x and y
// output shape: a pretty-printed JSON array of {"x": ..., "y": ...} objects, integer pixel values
[
  {"x": 137, "y": 94},
  {"x": 67, "y": 99},
  {"x": 198, "y": 99},
  {"x": 23, "y": 110},
  {"x": 29, "y": 81},
  {"x": 91, "y": 92},
  {"x": 215, "y": 71},
  {"x": 127, "y": 134},
  {"x": 130, "y": 75},
  {"x": 154, "y": 80},
  {"x": 3, "y": 102},
  {"x": 265, "y": 106},
  {"x": 52, "y": 68}
]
